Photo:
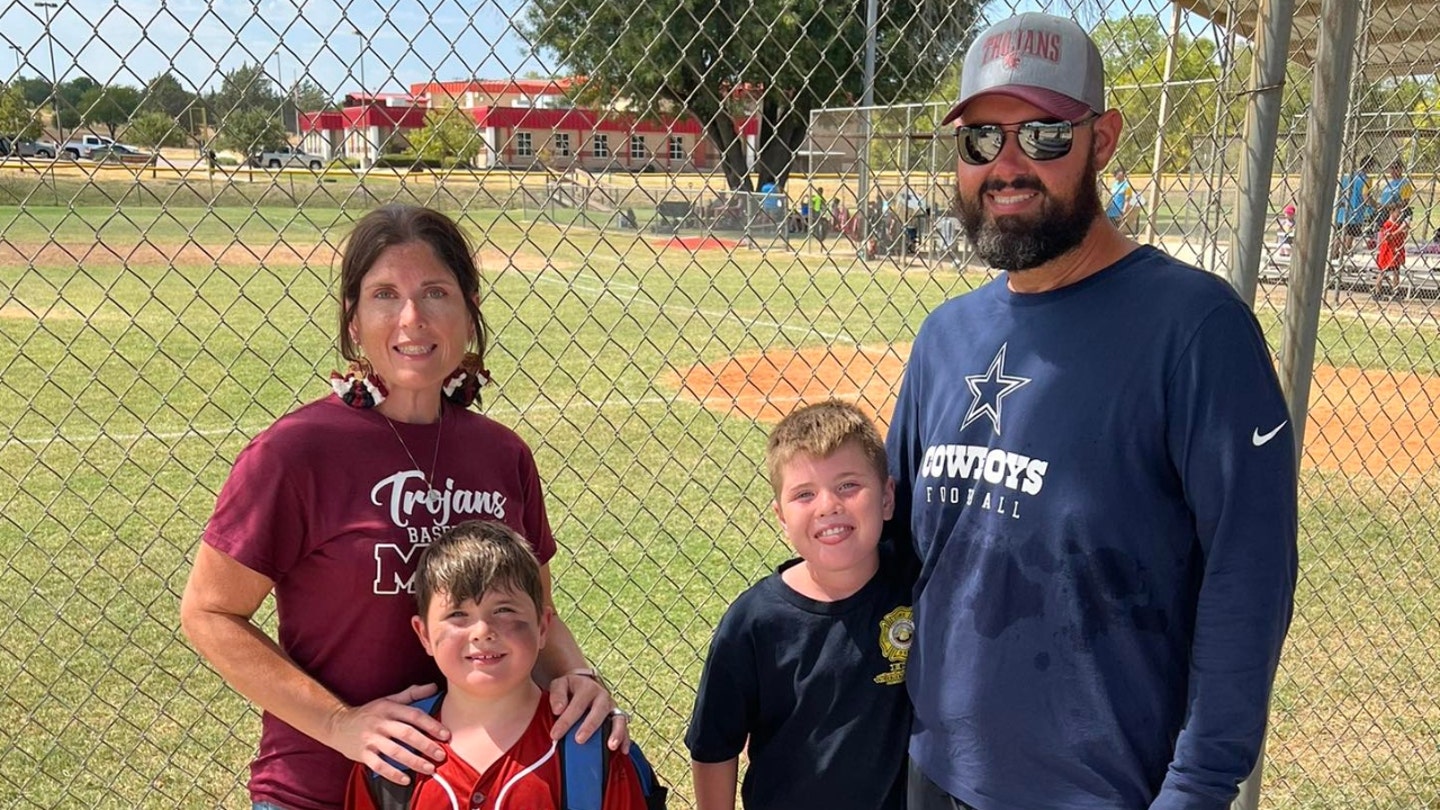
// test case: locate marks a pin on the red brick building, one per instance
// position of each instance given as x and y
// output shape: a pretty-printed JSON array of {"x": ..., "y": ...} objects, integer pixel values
[{"x": 522, "y": 124}]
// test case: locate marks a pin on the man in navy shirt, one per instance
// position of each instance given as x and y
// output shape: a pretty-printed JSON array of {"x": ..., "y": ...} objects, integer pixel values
[{"x": 1097, "y": 467}]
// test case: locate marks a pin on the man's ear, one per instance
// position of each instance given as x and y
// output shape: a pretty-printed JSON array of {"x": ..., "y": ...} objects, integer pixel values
[
  {"x": 779, "y": 515},
  {"x": 887, "y": 502},
  {"x": 1107, "y": 129}
]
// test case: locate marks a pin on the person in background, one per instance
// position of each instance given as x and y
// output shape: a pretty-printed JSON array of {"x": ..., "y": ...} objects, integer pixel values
[
  {"x": 1094, "y": 458},
  {"x": 1122, "y": 199},
  {"x": 329, "y": 508},
  {"x": 1390, "y": 248},
  {"x": 1285, "y": 231},
  {"x": 1396, "y": 192},
  {"x": 818, "y": 224},
  {"x": 1353, "y": 208}
]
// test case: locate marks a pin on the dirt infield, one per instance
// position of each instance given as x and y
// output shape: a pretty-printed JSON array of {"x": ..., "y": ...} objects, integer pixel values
[
  {"x": 696, "y": 243},
  {"x": 1361, "y": 421}
]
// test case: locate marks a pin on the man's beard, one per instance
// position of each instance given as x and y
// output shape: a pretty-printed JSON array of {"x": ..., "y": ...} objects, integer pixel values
[{"x": 1015, "y": 243}]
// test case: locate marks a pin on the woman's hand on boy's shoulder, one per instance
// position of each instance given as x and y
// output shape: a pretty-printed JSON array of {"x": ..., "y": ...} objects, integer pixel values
[
  {"x": 574, "y": 696},
  {"x": 389, "y": 731}
]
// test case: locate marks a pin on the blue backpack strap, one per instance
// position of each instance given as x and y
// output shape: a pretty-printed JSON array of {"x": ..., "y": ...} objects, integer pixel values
[
  {"x": 386, "y": 794},
  {"x": 583, "y": 767}
]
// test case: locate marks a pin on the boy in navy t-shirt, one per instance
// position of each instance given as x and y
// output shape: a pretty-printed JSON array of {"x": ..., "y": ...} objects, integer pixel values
[{"x": 807, "y": 667}]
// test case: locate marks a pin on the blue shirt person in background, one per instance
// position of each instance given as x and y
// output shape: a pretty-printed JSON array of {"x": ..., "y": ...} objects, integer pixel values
[
  {"x": 1396, "y": 192},
  {"x": 1352, "y": 207},
  {"x": 1096, "y": 464},
  {"x": 1122, "y": 197}
]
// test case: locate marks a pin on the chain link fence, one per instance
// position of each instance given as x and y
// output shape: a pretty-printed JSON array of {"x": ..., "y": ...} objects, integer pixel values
[{"x": 715, "y": 223}]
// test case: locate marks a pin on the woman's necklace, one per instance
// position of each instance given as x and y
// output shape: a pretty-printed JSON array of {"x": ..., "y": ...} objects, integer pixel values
[{"x": 431, "y": 492}]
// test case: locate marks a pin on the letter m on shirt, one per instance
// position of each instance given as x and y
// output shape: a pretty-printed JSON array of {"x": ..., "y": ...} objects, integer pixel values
[{"x": 394, "y": 571}]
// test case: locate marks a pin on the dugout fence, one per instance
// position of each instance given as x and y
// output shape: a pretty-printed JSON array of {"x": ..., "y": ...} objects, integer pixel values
[{"x": 655, "y": 310}]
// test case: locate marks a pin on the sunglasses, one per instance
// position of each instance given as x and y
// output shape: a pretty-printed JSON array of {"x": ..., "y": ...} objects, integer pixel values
[{"x": 979, "y": 144}]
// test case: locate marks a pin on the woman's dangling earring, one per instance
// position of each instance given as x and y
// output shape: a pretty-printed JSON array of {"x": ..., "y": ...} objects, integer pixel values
[
  {"x": 360, "y": 386},
  {"x": 464, "y": 383}
]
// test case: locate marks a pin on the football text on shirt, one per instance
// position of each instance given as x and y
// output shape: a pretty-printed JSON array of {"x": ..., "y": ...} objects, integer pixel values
[{"x": 992, "y": 466}]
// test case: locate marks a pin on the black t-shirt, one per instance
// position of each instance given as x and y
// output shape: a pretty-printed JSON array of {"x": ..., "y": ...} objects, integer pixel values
[{"x": 817, "y": 689}]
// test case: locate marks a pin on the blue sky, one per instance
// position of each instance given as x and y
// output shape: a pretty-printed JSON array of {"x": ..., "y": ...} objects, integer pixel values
[
  {"x": 130, "y": 41},
  {"x": 405, "y": 41}
]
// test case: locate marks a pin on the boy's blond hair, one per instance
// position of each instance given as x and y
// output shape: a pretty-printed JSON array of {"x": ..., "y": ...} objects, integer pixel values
[
  {"x": 473, "y": 558},
  {"x": 818, "y": 431}
]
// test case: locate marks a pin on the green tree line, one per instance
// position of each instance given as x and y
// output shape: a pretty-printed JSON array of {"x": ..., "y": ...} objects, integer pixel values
[{"x": 246, "y": 112}]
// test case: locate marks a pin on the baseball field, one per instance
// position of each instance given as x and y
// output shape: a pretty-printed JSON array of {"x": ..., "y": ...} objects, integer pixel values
[{"x": 145, "y": 336}]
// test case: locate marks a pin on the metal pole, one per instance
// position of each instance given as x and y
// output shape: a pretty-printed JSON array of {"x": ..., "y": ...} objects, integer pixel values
[
  {"x": 366, "y": 160},
  {"x": 280, "y": 82},
  {"x": 356, "y": 31},
  {"x": 1158, "y": 158},
  {"x": 1339, "y": 23},
  {"x": 1262, "y": 130},
  {"x": 867, "y": 100},
  {"x": 54, "y": 77},
  {"x": 16, "y": 49}
]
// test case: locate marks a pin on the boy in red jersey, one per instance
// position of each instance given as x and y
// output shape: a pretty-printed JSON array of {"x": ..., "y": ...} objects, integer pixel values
[
  {"x": 477, "y": 589},
  {"x": 1390, "y": 248}
]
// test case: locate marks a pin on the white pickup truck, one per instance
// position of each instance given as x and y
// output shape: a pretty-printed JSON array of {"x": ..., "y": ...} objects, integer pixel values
[
  {"x": 286, "y": 157},
  {"x": 85, "y": 144}
]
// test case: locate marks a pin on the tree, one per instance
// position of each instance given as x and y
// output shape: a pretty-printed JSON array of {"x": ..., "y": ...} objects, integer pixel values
[
  {"x": 247, "y": 87},
  {"x": 164, "y": 94},
  {"x": 36, "y": 90},
  {"x": 719, "y": 60},
  {"x": 449, "y": 132},
  {"x": 249, "y": 130},
  {"x": 155, "y": 129},
  {"x": 109, "y": 107},
  {"x": 311, "y": 97},
  {"x": 73, "y": 91},
  {"x": 16, "y": 116},
  {"x": 69, "y": 96},
  {"x": 1134, "y": 49}
]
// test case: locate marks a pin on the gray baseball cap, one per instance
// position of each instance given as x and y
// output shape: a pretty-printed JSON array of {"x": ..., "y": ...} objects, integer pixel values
[{"x": 1041, "y": 59}]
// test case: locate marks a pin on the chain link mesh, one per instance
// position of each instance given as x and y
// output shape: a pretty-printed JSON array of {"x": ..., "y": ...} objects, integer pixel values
[{"x": 656, "y": 304}]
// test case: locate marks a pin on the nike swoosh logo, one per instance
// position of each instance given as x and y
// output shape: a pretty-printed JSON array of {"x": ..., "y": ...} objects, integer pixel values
[{"x": 1261, "y": 439}]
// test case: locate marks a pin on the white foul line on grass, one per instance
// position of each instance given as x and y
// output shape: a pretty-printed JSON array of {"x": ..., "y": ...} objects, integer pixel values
[
  {"x": 604, "y": 286},
  {"x": 611, "y": 286},
  {"x": 549, "y": 407}
]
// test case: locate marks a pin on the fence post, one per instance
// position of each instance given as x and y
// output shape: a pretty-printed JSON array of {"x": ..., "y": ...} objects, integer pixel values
[
  {"x": 1262, "y": 128},
  {"x": 1335, "y": 51},
  {"x": 1158, "y": 158}
]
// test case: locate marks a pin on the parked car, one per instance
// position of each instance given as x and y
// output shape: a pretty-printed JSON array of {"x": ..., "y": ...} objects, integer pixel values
[
  {"x": 85, "y": 144},
  {"x": 120, "y": 153},
  {"x": 25, "y": 147},
  {"x": 286, "y": 157}
]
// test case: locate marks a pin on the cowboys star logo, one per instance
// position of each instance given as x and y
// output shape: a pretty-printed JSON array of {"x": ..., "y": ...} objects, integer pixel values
[{"x": 989, "y": 389}]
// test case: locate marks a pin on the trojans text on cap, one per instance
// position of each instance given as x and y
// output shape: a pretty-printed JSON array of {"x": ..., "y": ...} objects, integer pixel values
[{"x": 1012, "y": 45}]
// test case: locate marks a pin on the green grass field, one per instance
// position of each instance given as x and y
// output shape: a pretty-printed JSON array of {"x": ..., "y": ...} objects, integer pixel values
[{"x": 141, "y": 346}]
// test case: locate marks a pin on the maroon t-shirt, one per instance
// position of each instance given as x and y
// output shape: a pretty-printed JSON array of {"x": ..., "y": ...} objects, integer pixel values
[{"x": 328, "y": 504}]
